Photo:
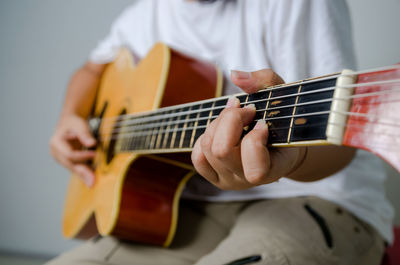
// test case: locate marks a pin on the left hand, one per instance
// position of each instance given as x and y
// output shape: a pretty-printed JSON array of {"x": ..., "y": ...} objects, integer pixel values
[{"x": 232, "y": 163}]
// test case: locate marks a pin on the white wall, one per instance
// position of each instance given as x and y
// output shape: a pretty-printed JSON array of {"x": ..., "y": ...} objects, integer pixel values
[{"x": 41, "y": 43}]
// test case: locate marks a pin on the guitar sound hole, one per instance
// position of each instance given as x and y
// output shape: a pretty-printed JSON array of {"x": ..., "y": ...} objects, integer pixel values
[{"x": 113, "y": 139}]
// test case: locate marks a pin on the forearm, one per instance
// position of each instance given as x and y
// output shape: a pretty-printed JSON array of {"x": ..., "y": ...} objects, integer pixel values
[
  {"x": 82, "y": 90},
  {"x": 319, "y": 162}
]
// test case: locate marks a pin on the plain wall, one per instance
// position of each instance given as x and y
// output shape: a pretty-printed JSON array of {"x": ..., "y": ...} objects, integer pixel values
[{"x": 42, "y": 43}]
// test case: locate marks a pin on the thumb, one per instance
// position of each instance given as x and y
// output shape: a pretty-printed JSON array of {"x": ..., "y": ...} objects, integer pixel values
[{"x": 251, "y": 82}]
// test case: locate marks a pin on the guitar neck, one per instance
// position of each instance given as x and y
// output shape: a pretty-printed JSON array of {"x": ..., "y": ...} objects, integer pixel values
[{"x": 296, "y": 113}]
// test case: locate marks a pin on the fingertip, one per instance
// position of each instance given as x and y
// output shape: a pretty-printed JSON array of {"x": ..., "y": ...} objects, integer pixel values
[
  {"x": 240, "y": 75},
  {"x": 88, "y": 179},
  {"x": 250, "y": 106},
  {"x": 90, "y": 141},
  {"x": 260, "y": 125},
  {"x": 260, "y": 132},
  {"x": 232, "y": 102}
]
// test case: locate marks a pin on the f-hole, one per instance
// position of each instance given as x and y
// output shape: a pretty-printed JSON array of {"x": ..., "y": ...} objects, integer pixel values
[{"x": 114, "y": 137}]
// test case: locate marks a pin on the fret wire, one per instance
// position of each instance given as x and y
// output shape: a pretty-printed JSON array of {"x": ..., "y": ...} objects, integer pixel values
[
  {"x": 246, "y": 100},
  {"x": 293, "y": 113},
  {"x": 184, "y": 130},
  {"x": 147, "y": 141},
  {"x": 166, "y": 136},
  {"x": 210, "y": 115},
  {"x": 159, "y": 136},
  {"x": 173, "y": 138},
  {"x": 267, "y": 105},
  {"x": 195, "y": 128},
  {"x": 154, "y": 136}
]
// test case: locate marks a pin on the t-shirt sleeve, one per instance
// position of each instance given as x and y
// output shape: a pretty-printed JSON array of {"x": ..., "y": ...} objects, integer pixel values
[
  {"x": 308, "y": 38},
  {"x": 106, "y": 49}
]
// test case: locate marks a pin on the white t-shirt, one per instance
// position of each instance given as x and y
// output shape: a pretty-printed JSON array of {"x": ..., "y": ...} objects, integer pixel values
[{"x": 297, "y": 39}]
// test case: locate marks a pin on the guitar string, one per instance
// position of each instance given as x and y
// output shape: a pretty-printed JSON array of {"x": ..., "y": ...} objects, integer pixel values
[
  {"x": 117, "y": 130},
  {"x": 163, "y": 131},
  {"x": 130, "y": 121},
  {"x": 164, "y": 116},
  {"x": 180, "y": 121},
  {"x": 268, "y": 89},
  {"x": 271, "y": 128},
  {"x": 369, "y": 133}
]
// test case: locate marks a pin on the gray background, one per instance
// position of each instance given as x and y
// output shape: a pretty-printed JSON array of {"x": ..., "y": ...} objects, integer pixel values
[{"x": 42, "y": 43}]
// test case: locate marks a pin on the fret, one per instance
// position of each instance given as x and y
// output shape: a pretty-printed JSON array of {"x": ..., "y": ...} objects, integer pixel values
[
  {"x": 219, "y": 106},
  {"x": 185, "y": 125},
  {"x": 260, "y": 104},
  {"x": 202, "y": 123},
  {"x": 141, "y": 137},
  {"x": 167, "y": 130},
  {"x": 132, "y": 139},
  {"x": 140, "y": 140},
  {"x": 312, "y": 127},
  {"x": 148, "y": 137},
  {"x": 160, "y": 135},
  {"x": 178, "y": 128},
  {"x": 279, "y": 128},
  {"x": 173, "y": 129},
  {"x": 154, "y": 134},
  {"x": 192, "y": 137},
  {"x": 267, "y": 105},
  {"x": 293, "y": 113},
  {"x": 210, "y": 115}
]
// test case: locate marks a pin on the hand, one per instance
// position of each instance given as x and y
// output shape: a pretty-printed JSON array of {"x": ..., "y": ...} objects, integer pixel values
[
  {"x": 71, "y": 134},
  {"x": 232, "y": 163}
]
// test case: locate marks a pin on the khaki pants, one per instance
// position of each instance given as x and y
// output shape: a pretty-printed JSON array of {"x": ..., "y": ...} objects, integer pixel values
[{"x": 303, "y": 230}]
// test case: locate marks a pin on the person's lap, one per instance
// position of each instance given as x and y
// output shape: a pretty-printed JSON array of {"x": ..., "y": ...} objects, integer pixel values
[{"x": 304, "y": 230}]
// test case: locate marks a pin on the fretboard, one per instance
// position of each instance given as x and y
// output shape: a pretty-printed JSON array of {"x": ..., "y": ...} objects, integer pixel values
[{"x": 294, "y": 112}]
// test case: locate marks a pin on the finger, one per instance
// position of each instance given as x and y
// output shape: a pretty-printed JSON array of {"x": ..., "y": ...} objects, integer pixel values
[
  {"x": 225, "y": 149},
  {"x": 201, "y": 164},
  {"x": 82, "y": 132},
  {"x": 229, "y": 129},
  {"x": 85, "y": 173},
  {"x": 255, "y": 155},
  {"x": 63, "y": 148},
  {"x": 251, "y": 82}
]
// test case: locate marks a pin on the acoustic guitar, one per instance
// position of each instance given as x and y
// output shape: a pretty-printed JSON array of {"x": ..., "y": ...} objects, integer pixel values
[{"x": 147, "y": 117}]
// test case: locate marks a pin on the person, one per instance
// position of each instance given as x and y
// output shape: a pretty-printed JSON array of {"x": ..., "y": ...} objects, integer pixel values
[{"x": 253, "y": 204}]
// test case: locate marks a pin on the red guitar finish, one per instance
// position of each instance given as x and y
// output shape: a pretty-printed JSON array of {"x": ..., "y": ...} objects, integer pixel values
[{"x": 376, "y": 129}]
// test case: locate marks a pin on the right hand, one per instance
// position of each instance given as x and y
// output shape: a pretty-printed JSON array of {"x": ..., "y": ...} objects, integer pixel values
[{"x": 67, "y": 146}]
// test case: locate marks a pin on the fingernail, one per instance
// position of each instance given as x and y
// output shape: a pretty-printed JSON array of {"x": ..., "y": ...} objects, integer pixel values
[
  {"x": 260, "y": 124},
  {"x": 250, "y": 106},
  {"x": 232, "y": 102},
  {"x": 89, "y": 180},
  {"x": 90, "y": 141},
  {"x": 241, "y": 74}
]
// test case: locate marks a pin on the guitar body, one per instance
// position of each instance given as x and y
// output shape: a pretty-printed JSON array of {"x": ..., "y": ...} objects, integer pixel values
[{"x": 135, "y": 197}]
